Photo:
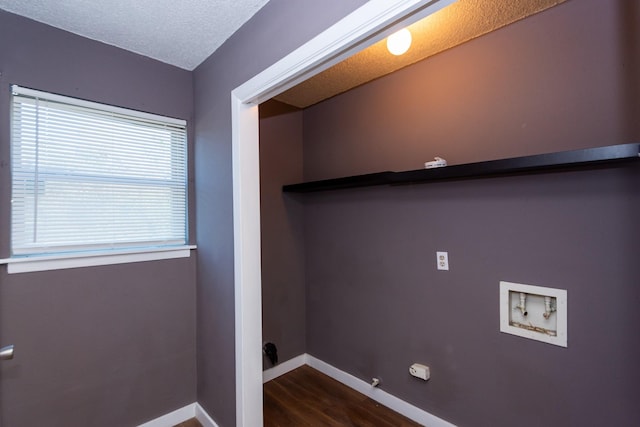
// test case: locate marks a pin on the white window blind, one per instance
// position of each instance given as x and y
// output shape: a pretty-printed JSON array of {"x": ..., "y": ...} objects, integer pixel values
[{"x": 87, "y": 176}]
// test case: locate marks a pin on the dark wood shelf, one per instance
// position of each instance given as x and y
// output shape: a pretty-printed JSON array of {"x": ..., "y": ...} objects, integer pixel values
[{"x": 574, "y": 159}]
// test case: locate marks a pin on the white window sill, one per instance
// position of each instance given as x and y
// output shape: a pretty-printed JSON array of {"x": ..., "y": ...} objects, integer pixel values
[{"x": 58, "y": 262}]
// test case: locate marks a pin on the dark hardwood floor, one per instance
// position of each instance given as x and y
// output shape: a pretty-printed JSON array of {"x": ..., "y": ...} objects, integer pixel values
[{"x": 306, "y": 397}]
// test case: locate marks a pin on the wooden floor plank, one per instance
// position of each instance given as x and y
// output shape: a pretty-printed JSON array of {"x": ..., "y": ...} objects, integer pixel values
[{"x": 305, "y": 397}]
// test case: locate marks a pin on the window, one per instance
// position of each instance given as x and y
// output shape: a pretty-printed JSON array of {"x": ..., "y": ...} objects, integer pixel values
[{"x": 88, "y": 177}]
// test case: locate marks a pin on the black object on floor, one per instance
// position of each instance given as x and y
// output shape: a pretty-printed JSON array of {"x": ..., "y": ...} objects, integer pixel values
[{"x": 272, "y": 352}]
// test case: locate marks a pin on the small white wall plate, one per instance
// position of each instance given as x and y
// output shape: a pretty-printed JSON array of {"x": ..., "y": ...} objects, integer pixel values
[{"x": 533, "y": 325}]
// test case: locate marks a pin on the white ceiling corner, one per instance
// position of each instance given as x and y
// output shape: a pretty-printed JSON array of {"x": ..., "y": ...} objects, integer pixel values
[{"x": 183, "y": 33}]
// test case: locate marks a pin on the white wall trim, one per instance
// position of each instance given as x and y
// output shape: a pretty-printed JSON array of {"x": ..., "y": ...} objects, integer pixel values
[
  {"x": 284, "y": 367},
  {"x": 247, "y": 266},
  {"x": 28, "y": 264},
  {"x": 193, "y": 410},
  {"x": 366, "y": 25},
  {"x": 204, "y": 418},
  {"x": 172, "y": 418},
  {"x": 379, "y": 395}
]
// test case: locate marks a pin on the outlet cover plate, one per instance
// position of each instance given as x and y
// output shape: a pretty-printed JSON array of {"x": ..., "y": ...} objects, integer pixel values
[{"x": 442, "y": 259}]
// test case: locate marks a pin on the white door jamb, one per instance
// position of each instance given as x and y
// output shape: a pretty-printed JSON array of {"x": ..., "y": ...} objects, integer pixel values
[{"x": 373, "y": 21}]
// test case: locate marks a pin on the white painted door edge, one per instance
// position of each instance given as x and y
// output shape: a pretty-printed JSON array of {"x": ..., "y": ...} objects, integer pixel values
[
  {"x": 247, "y": 267},
  {"x": 369, "y": 23}
]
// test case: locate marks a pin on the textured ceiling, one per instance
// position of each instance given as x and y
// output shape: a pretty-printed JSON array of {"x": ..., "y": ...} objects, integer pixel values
[
  {"x": 182, "y": 33},
  {"x": 449, "y": 27}
]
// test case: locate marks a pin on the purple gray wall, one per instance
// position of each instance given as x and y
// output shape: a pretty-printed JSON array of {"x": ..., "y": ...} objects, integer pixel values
[
  {"x": 566, "y": 78},
  {"x": 277, "y": 29},
  {"x": 282, "y": 232},
  {"x": 98, "y": 346}
]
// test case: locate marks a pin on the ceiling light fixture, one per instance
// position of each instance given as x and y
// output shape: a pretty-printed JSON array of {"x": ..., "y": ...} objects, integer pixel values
[{"x": 399, "y": 42}]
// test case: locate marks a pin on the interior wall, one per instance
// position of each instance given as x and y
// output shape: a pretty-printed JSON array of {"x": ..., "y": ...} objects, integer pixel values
[
  {"x": 375, "y": 301},
  {"x": 283, "y": 288},
  {"x": 560, "y": 80},
  {"x": 98, "y": 346},
  {"x": 276, "y": 30}
]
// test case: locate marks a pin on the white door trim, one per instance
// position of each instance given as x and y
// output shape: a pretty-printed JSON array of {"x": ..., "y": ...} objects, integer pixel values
[{"x": 371, "y": 22}]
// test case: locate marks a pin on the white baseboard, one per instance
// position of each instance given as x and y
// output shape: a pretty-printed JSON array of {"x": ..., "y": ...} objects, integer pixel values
[
  {"x": 400, "y": 406},
  {"x": 194, "y": 410},
  {"x": 284, "y": 367},
  {"x": 204, "y": 418},
  {"x": 172, "y": 418},
  {"x": 390, "y": 401}
]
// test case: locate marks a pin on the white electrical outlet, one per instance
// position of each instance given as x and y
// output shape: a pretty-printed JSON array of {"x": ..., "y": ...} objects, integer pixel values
[
  {"x": 442, "y": 260},
  {"x": 420, "y": 371}
]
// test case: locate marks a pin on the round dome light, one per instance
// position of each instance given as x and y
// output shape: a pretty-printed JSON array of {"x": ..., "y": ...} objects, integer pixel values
[{"x": 399, "y": 42}]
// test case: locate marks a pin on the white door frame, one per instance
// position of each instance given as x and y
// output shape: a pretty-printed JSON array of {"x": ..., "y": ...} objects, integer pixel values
[{"x": 373, "y": 21}]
